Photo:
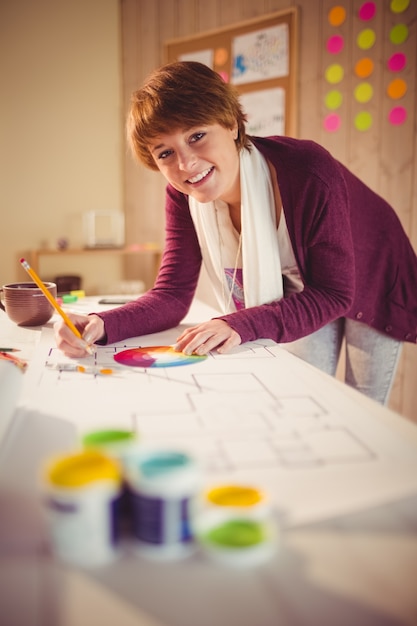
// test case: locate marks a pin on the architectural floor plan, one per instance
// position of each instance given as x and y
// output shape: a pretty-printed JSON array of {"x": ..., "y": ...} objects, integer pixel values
[{"x": 257, "y": 415}]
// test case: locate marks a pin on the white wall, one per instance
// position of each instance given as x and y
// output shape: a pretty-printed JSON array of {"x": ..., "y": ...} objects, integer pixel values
[{"x": 61, "y": 125}]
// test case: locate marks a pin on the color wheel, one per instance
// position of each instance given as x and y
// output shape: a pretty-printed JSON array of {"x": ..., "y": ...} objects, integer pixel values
[{"x": 155, "y": 356}]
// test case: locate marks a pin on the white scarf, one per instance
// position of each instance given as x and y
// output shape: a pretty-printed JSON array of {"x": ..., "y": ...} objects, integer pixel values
[{"x": 261, "y": 264}]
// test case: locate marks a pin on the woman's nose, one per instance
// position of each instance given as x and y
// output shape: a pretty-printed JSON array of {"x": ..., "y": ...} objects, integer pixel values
[{"x": 186, "y": 159}]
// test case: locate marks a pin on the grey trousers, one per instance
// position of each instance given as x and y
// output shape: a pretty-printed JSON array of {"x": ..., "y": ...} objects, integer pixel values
[{"x": 371, "y": 357}]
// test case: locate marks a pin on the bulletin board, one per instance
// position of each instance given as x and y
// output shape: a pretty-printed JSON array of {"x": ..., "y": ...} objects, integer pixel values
[{"x": 259, "y": 58}]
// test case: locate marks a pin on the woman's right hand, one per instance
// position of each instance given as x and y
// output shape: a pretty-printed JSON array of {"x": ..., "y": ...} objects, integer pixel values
[{"x": 91, "y": 328}]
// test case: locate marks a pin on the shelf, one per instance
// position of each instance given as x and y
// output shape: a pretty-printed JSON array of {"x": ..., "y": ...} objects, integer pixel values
[{"x": 149, "y": 249}]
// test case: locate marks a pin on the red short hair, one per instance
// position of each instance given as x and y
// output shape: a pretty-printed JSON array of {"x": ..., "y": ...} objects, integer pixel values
[{"x": 178, "y": 96}]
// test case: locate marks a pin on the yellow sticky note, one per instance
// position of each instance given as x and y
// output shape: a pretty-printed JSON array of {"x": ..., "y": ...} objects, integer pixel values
[
  {"x": 366, "y": 39},
  {"x": 334, "y": 73},
  {"x": 363, "y": 92}
]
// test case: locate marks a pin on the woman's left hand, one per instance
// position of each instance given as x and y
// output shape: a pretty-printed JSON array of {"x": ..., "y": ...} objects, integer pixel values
[{"x": 208, "y": 336}]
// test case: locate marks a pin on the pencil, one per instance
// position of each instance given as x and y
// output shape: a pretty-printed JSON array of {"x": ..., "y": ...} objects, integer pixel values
[
  {"x": 52, "y": 300},
  {"x": 9, "y": 350},
  {"x": 13, "y": 359}
]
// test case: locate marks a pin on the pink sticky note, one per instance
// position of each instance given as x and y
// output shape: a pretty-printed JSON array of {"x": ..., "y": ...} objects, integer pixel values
[
  {"x": 397, "y": 62},
  {"x": 335, "y": 44},
  {"x": 331, "y": 122},
  {"x": 397, "y": 116},
  {"x": 367, "y": 11}
]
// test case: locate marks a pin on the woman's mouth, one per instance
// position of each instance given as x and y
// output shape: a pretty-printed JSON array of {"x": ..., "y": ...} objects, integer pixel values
[{"x": 199, "y": 177}]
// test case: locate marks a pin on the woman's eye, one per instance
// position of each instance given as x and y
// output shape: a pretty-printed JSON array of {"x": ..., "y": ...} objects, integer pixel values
[
  {"x": 164, "y": 154},
  {"x": 196, "y": 137}
]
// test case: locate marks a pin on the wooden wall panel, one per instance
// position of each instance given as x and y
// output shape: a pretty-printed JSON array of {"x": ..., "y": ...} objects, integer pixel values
[
  {"x": 207, "y": 17},
  {"x": 337, "y": 142},
  {"x": 384, "y": 156},
  {"x": 363, "y": 147},
  {"x": 397, "y": 148},
  {"x": 397, "y": 161},
  {"x": 188, "y": 17},
  {"x": 310, "y": 69},
  {"x": 169, "y": 11},
  {"x": 406, "y": 398}
]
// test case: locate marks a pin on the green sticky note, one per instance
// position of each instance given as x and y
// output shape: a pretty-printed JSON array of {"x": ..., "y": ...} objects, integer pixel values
[
  {"x": 67, "y": 298},
  {"x": 333, "y": 99},
  {"x": 398, "y": 34},
  {"x": 363, "y": 121}
]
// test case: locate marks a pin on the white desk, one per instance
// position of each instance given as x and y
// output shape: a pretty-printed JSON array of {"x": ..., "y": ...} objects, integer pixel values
[{"x": 358, "y": 566}]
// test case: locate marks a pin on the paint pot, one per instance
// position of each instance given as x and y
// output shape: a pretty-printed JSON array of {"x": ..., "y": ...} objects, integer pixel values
[
  {"x": 118, "y": 443},
  {"x": 82, "y": 498},
  {"x": 234, "y": 526},
  {"x": 164, "y": 485}
]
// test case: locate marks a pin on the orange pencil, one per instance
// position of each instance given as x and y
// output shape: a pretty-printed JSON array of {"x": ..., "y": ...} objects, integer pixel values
[
  {"x": 13, "y": 359},
  {"x": 52, "y": 300}
]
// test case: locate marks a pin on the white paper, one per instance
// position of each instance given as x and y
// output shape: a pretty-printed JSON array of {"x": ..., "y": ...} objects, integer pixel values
[
  {"x": 260, "y": 55},
  {"x": 258, "y": 415},
  {"x": 266, "y": 112},
  {"x": 201, "y": 56}
]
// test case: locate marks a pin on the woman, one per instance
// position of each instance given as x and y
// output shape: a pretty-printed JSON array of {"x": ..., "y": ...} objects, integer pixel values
[{"x": 297, "y": 248}]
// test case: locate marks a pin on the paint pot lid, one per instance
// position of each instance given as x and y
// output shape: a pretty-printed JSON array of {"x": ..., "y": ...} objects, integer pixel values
[
  {"x": 83, "y": 468},
  {"x": 236, "y": 540},
  {"x": 163, "y": 462},
  {"x": 241, "y": 496},
  {"x": 109, "y": 437},
  {"x": 237, "y": 533},
  {"x": 166, "y": 472}
]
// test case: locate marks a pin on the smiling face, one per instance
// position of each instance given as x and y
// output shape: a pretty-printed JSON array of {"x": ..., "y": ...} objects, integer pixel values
[{"x": 202, "y": 162}]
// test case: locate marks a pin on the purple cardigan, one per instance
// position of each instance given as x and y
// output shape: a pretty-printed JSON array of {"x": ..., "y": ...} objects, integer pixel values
[{"x": 352, "y": 253}]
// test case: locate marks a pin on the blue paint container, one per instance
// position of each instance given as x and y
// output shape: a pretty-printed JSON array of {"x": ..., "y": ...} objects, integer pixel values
[{"x": 163, "y": 485}]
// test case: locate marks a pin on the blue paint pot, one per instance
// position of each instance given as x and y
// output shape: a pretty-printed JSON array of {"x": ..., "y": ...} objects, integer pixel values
[{"x": 164, "y": 485}]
